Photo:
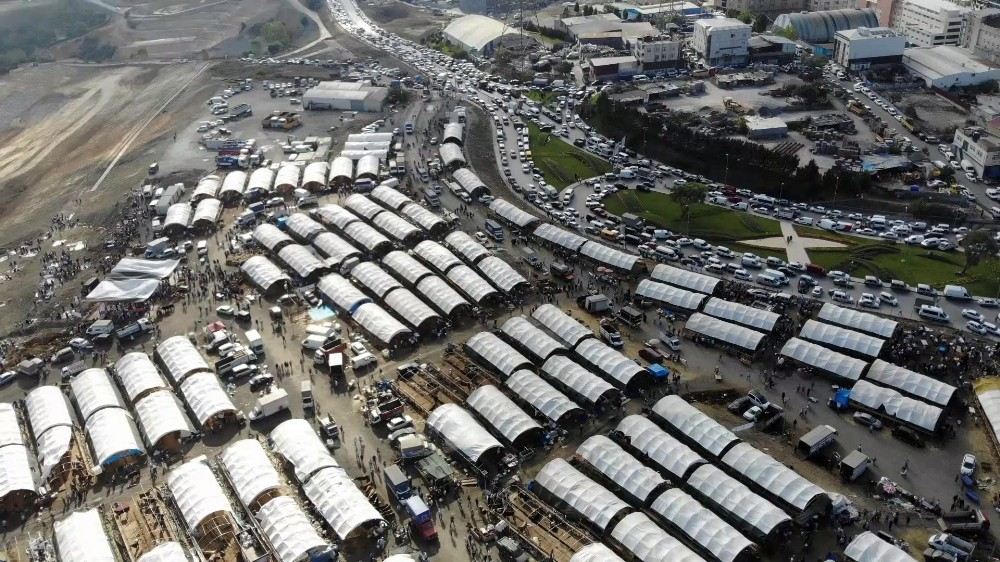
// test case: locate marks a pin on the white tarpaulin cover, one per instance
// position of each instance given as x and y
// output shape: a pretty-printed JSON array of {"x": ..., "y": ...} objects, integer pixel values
[
  {"x": 138, "y": 375},
  {"x": 80, "y": 537},
  {"x": 702, "y": 526},
  {"x": 857, "y": 320},
  {"x": 736, "y": 499},
  {"x": 722, "y": 331},
  {"x": 297, "y": 442},
  {"x": 461, "y": 431},
  {"x": 363, "y": 206},
  {"x": 374, "y": 278},
  {"x": 755, "y": 318},
  {"x": 315, "y": 175},
  {"x": 531, "y": 337},
  {"x": 678, "y": 298},
  {"x": 423, "y": 218},
  {"x": 904, "y": 409},
  {"x": 16, "y": 471},
  {"x": 989, "y": 401},
  {"x": 270, "y": 237},
  {"x": 206, "y": 397},
  {"x": 580, "y": 380},
  {"x": 619, "y": 368},
  {"x": 390, "y": 197},
  {"x": 501, "y": 412},
  {"x": 842, "y": 338},
  {"x": 584, "y": 496},
  {"x": 684, "y": 279},
  {"x": 113, "y": 435},
  {"x": 595, "y": 552},
  {"x": 178, "y": 215},
  {"x": 10, "y": 429},
  {"x": 51, "y": 425},
  {"x": 207, "y": 212},
  {"x": 868, "y": 547},
  {"x": 823, "y": 358},
  {"x": 166, "y": 552},
  {"x": 335, "y": 216},
  {"x": 470, "y": 283},
  {"x": 441, "y": 294},
  {"x": 501, "y": 274},
  {"x": 380, "y": 324},
  {"x": 699, "y": 427},
  {"x": 261, "y": 179},
  {"x": 250, "y": 469},
  {"x": 395, "y": 225},
  {"x": 303, "y": 262},
  {"x": 94, "y": 391},
  {"x": 464, "y": 245},
  {"x": 451, "y": 154},
  {"x": 470, "y": 182},
  {"x": 410, "y": 308},
  {"x": 341, "y": 169},
  {"x": 288, "y": 177},
  {"x": 139, "y": 268},
  {"x": 497, "y": 353},
  {"x": 366, "y": 236},
  {"x": 910, "y": 382},
  {"x": 512, "y": 213},
  {"x": 541, "y": 395},
  {"x": 341, "y": 292},
  {"x": 180, "y": 357},
  {"x": 649, "y": 543},
  {"x": 289, "y": 530},
  {"x": 659, "y": 446},
  {"x": 405, "y": 267},
  {"x": 560, "y": 237},
  {"x": 132, "y": 279},
  {"x": 343, "y": 506},
  {"x": 334, "y": 248},
  {"x": 160, "y": 414},
  {"x": 436, "y": 255},
  {"x": 608, "y": 255},
  {"x": 453, "y": 132},
  {"x": 620, "y": 467},
  {"x": 233, "y": 185},
  {"x": 771, "y": 475},
  {"x": 196, "y": 492},
  {"x": 263, "y": 273},
  {"x": 564, "y": 326},
  {"x": 303, "y": 226}
]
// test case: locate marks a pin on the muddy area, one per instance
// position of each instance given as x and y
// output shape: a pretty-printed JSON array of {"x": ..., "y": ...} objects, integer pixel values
[
  {"x": 403, "y": 19},
  {"x": 934, "y": 113}
]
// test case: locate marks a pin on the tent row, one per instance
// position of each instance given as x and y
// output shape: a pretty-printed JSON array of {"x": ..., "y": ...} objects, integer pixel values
[
  {"x": 684, "y": 279},
  {"x": 824, "y": 359},
  {"x": 19, "y": 482},
  {"x": 374, "y": 319},
  {"x": 911, "y": 383},
  {"x": 857, "y": 320},
  {"x": 761, "y": 320},
  {"x": 460, "y": 432},
  {"x": 515, "y": 426},
  {"x": 577, "y": 244},
  {"x": 544, "y": 398},
  {"x": 841, "y": 338},
  {"x": 679, "y": 299},
  {"x": 887, "y": 401},
  {"x": 110, "y": 428},
  {"x": 208, "y": 403},
  {"x": 724, "y": 332},
  {"x": 513, "y": 214}
]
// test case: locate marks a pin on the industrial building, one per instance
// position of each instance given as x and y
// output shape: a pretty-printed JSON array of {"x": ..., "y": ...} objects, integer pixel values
[
  {"x": 765, "y": 128},
  {"x": 928, "y": 23},
  {"x": 479, "y": 35},
  {"x": 612, "y": 68},
  {"x": 656, "y": 12},
  {"x": 579, "y": 25},
  {"x": 982, "y": 34},
  {"x": 947, "y": 67},
  {"x": 722, "y": 41},
  {"x": 978, "y": 149},
  {"x": 656, "y": 52},
  {"x": 860, "y": 48},
  {"x": 771, "y": 49},
  {"x": 345, "y": 96},
  {"x": 821, "y": 27}
]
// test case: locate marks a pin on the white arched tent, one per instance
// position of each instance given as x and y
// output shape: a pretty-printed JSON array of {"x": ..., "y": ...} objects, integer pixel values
[
  {"x": 647, "y": 542},
  {"x": 695, "y": 425},
  {"x": 503, "y": 415},
  {"x": 51, "y": 425},
  {"x": 620, "y": 468},
  {"x": 731, "y": 496},
  {"x": 290, "y": 531},
  {"x": 702, "y": 527},
  {"x": 497, "y": 353},
  {"x": 405, "y": 267},
  {"x": 564, "y": 326},
  {"x": 297, "y": 442},
  {"x": 461, "y": 432},
  {"x": 530, "y": 337},
  {"x": 180, "y": 357},
  {"x": 206, "y": 398},
  {"x": 160, "y": 415},
  {"x": 271, "y": 237},
  {"x": 541, "y": 395},
  {"x": 197, "y": 493},
  {"x": 263, "y": 273},
  {"x": 578, "y": 379},
  {"x": 584, "y": 496},
  {"x": 250, "y": 470},
  {"x": 80, "y": 537},
  {"x": 661, "y": 448}
]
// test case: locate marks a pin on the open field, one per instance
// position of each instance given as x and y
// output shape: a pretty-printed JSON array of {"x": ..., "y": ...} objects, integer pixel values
[
  {"x": 403, "y": 19},
  {"x": 710, "y": 222},
  {"x": 562, "y": 163}
]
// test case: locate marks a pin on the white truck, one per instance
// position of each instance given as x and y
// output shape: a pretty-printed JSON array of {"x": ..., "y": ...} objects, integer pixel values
[
  {"x": 255, "y": 342},
  {"x": 129, "y": 331},
  {"x": 269, "y": 404}
]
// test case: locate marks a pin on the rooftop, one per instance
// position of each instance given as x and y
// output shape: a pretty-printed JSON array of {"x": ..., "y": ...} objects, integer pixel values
[
  {"x": 944, "y": 60},
  {"x": 939, "y": 5},
  {"x": 477, "y": 31},
  {"x": 764, "y": 123},
  {"x": 606, "y": 61},
  {"x": 721, "y": 23},
  {"x": 867, "y": 33},
  {"x": 576, "y": 20}
]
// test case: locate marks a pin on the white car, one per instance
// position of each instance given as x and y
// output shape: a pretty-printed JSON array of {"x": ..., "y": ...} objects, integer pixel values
[
  {"x": 976, "y": 327},
  {"x": 7, "y": 377},
  {"x": 753, "y": 413},
  {"x": 481, "y": 238},
  {"x": 868, "y": 300},
  {"x": 972, "y": 314},
  {"x": 841, "y": 296},
  {"x": 888, "y": 298},
  {"x": 358, "y": 348},
  {"x": 988, "y": 302},
  {"x": 968, "y": 467},
  {"x": 816, "y": 292}
]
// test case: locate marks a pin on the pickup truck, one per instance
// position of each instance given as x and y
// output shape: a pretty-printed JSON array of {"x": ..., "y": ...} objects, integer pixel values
[
  {"x": 129, "y": 331},
  {"x": 967, "y": 522}
]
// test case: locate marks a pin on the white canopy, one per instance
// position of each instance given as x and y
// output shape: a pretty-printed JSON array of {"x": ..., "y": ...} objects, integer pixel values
[
  {"x": 51, "y": 425},
  {"x": 541, "y": 395},
  {"x": 250, "y": 469},
  {"x": 263, "y": 273},
  {"x": 288, "y": 177},
  {"x": 123, "y": 290},
  {"x": 180, "y": 358},
  {"x": 380, "y": 324},
  {"x": 334, "y": 248},
  {"x": 80, "y": 537},
  {"x": 341, "y": 169},
  {"x": 771, "y": 475},
  {"x": 10, "y": 429},
  {"x": 16, "y": 471},
  {"x": 470, "y": 283},
  {"x": 659, "y": 446},
  {"x": 560, "y": 237},
  {"x": 368, "y": 165},
  {"x": 857, "y": 320},
  {"x": 395, "y": 225},
  {"x": 620, "y": 467},
  {"x": 755, "y": 318},
  {"x": 731, "y": 496},
  {"x": 512, "y": 213},
  {"x": 390, "y": 197},
  {"x": 439, "y": 257},
  {"x": 615, "y": 365},
  {"x": 573, "y": 376},
  {"x": 842, "y": 338},
  {"x": 315, "y": 174},
  {"x": 297, "y": 442},
  {"x": 405, "y": 266},
  {"x": 466, "y": 246},
  {"x": 165, "y": 552},
  {"x": 868, "y": 547},
  {"x": 595, "y": 552},
  {"x": 303, "y": 226},
  {"x": 470, "y": 182},
  {"x": 113, "y": 435},
  {"x": 451, "y": 154},
  {"x": 94, "y": 391},
  {"x": 340, "y": 502},
  {"x": 363, "y": 206},
  {"x": 270, "y": 237},
  {"x": 823, "y": 358},
  {"x": 160, "y": 414},
  {"x": 52, "y": 447},
  {"x": 369, "y": 238},
  {"x": 722, "y": 331},
  {"x": 374, "y": 278},
  {"x": 609, "y": 256},
  {"x": 196, "y": 492},
  {"x": 673, "y": 296},
  {"x": 695, "y": 424},
  {"x": 303, "y": 262},
  {"x": 501, "y": 274},
  {"x": 453, "y": 132},
  {"x": 138, "y": 375},
  {"x": 289, "y": 530},
  {"x": 908, "y": 410},
  {"x": 261, "y": 179},
  {"x": 341, "y": 292},
  {"x": 206, "y": 397},
  {"x": 911, "y": 383},
  {"x": 207, "y": 212},
  {"x": 410, "y": 308},
  {"x": 497, "y": 353},
  {"x": 989, "y": 401},
  {"x": 580, "y": 493},
  {"x": 335, "y": 216},
  {"x": 564, "y": 326},
  {"x": 441, "y": 294},
  {"x": 702, "y": 526},
  {"x": 422, "y": 217},
  {"x": 532, "y": 338},
  {"x": 178, "y": 215},
  {"x": 501, "y": 413},
  {"x": 649, "y": 543},
  {"x": 461, "y": 431},
  {"x": 234, "y": 184},
  {"x": 684, "y": 279}
]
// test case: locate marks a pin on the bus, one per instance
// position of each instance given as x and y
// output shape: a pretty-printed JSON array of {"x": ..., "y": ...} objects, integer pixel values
[
  {"x": 493, "y": 229},
  {"x": 422, "y": 173}
]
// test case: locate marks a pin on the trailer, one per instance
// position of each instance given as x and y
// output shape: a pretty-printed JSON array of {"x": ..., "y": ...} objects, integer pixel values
[
  {"x": 420, "y": 517},
  {"x": 816, "y": 440}
]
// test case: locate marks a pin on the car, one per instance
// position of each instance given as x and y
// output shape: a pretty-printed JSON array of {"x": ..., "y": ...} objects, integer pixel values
[
  {"x": 968, "y": 466},
  {"x": 888, "y": 298},
  {"x": 397, "y": 423},
  {"x": 753, "y": 413},
  {"x": 976, "y": 327},
  {"x": 758, "y": 399},
  {"x": 358, "y": 348},
  {"x": 868, "y": 420},
  {"x": 261, "y": 381},
  {"x": 868, "y": 300},
  {"x": 742, "y": 274},
  {"x": 226, "y": 311},
  {"x": 972, "y": 314},
  {"x": 7, "y": 377},
  {"x": 841, "y": 296},
  {"x": 816, "y": 292},
  {"x": 486, "y": 199},
  {"x": 81, "y": 344},
  {"x": 988, "y": 302}
]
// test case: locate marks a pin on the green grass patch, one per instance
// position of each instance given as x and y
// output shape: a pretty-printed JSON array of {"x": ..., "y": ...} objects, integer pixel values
[
  {"x": 544, "y": 98},
  {"x": 562, "y": 163},
  {"x": 714, "y": 224}
]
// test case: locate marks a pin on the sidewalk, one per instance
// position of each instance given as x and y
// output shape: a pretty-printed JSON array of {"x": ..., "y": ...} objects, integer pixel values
[{"x": 794, "y": 249}]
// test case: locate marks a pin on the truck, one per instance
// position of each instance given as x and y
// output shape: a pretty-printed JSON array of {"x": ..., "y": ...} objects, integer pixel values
[
  {"x": 224, "y": 367},
  {"x": 133, "y": 329},
  {"x": 241, "y": 110},
  {"x": 531, "y": 258},
  {"x": 966, "y": 522},
  {"x": 610, "y": 334},
  {"x": 946, "y": 542},
  {"x": 412, "y": 446},
  {"x": 269, "y": 404},
  {"x": 157, "y": 247},
  {"x": 853, "y": 466},
  {"x": 255, "y": 342},
  {"x": 816, "y": 440},
  {"x": 306, "y": 390},
  {"x": 100, "y": 327},
  {"x": 329, "y": 430},
  {"x": 420, "y": 517},
  {"x": 594, "y": 304},
  {"x": 31, "y": 367},
  {"x": 397, "y": 482}
]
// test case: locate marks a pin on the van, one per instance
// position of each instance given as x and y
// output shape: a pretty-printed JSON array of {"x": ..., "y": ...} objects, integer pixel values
[
  {"x": 362, "y": 361},
  {"x": 307, "y": 200},
  {"x": 956, "y": 292},
  {"x": 666, "y": 253},
  {"x": 753, "y": 262},
  {"x": 933, "y": 313},
  {"x": 305, "y": 389},
  {"x": 313, "y": 342},
  {"x": 202, "y": 247},
  {"x": 100, "y": 327},
  {"x": 778, "y": 275},
  {"x": 769, "y": 279},
  {"x": 63, "y": 355}
]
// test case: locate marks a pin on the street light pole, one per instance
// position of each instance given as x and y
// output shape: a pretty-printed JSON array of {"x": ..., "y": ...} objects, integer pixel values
[{"x": 725, "y": 177}]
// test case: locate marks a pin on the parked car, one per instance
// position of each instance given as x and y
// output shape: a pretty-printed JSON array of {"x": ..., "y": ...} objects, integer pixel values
[
  {"x": 868, "y": 420},
  {"x": 968, "y": 466}
]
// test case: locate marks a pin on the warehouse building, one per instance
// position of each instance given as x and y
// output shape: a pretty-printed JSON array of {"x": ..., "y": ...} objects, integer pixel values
[
  {"x": 479, "y": 35},
  {"x": 817, "y": 28},
  {"x": 722, "y": 41},
  {"x": 859, "y": 49},
  {"x": 947, "y": 67},
  {"x": 765, "y": 128},
  {"x": 612, "y": 68},
  {"x": 345, "y": 96}
]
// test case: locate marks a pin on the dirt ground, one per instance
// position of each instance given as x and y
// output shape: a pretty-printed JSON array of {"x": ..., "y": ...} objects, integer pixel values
[
  {"x": 934, "y": 112},
  {"x": 403, "y": 19}
]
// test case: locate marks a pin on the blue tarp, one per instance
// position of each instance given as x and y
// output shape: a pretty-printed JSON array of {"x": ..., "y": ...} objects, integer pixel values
[
  {"x": 842, "y": 398},
  {"x": 659, "y": 371},
  {"x": 878, "y": 162}
]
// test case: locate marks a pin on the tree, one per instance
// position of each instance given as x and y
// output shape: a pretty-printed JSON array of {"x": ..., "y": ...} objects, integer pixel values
[
  {"x": 576, "y": 7},
  {"x": 946, "y": 174},
  {"x": 760, "y": 24},
  {"x": 687, "y": 195},
  {"x": 787, "y": 32},
  {"x": 979, "y": 245},
  {"x": 745, "y": 17}
]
